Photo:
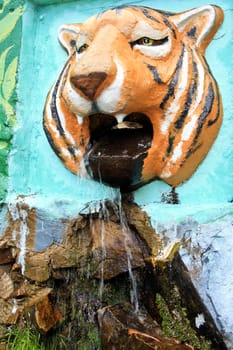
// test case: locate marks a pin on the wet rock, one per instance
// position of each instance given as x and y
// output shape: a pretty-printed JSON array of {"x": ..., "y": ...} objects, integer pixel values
[
  {"x": 112, "y": 246},
  {"x": 8, "y": 314},
  {"x": 6, "y": 285},
  {"x": 89, "y": 269},
  {"x": 173, "y": 301},
  {"x": 46, "y": 316},
  {"x": 37, "y": 267},
  {"x": 6, "y": 254},
  {"x": 139, "y": 221},
  {"x": 123, "y": 328},
  {"x": 35, "y": 294},
  {"x": 21, "y": 292}
]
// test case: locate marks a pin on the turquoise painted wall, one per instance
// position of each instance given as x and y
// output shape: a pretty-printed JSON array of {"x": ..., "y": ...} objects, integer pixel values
[{"x": 34, "y": 168}]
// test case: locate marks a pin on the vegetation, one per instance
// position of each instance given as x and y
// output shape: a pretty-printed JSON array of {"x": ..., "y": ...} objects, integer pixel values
[
  {"x": 28, "y": 338},
  {"x": 177, "y": 325},
  {"x": 24, "y": 339}
]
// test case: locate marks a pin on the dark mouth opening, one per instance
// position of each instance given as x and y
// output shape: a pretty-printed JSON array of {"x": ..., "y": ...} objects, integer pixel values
[{"x": 117, "y": 150}]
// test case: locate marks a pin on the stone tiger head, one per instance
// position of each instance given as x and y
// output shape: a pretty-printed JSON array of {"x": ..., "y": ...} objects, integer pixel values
[{"x": 136, "y": 100}]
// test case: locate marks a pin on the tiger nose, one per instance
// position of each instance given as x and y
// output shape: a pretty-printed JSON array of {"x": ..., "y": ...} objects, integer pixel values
[{"x": 89, "y": 83}]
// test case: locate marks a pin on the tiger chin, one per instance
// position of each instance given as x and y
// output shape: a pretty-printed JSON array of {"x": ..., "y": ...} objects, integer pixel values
[{"x": 136, "y": 100}]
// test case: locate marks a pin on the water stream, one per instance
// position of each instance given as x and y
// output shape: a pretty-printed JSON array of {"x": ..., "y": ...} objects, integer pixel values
[
  {"x": 104, "y": 215},
  {"x": 20, "y": 214},
  {"x": 125, "y": 230}
]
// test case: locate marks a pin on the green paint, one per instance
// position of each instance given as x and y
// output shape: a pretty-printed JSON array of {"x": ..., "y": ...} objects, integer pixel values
[
  {"x": 10, "y": 34},
  {"x": 49, "y": 2}
]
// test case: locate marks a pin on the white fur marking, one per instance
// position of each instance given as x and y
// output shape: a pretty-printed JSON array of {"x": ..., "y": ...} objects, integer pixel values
[
  {"x": 78, "y": 104},
  {"x": 190, "y": 126},
  {"x": 155, "y": 51},
  {"x": 109, "y": 98},
  {"x": 143, "y": 29},
  {"x": 175, "y": 105},
  {"x": 191, "y": 15}
]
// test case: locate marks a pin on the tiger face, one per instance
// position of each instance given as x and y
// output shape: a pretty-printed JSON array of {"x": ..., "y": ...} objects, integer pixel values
[{"x": 135, "y": 100}]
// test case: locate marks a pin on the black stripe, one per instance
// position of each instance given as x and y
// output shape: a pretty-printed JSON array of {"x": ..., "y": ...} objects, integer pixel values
[
  {"x": 119, "y": 9},
  {"x": 204, "y": 114},
  {"x": 192, "y": 32},
  {"x": 55, "y": 115},
  {"x": 192, "y": 151},
  {"x": 174, "y": 81},
  {"x": 168, "y": 24},
  {"x": 205, "y": 111},
  {"x": 170, "y": 145},
  {"x": 53, "y": 105},
  {"x": 166, "y": 13},
  {"x": 50, "y": 139},
  {"x": 146, "y": 12},
  {"x": 192, "y": 90},
  {"x": 213, "y": 121},
  {"x": 155, "y": 73},
  {"x": 71, "y": 149}
]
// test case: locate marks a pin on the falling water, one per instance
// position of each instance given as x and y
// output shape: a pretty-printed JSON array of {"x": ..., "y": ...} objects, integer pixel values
[
  {"x": 116, "y": 201},
  {"x": 15, "y": 306},
  {"x": 23, "y": 236},
  {"x": 104, "y": 212},
  {"x": 17, "y": 213},
  {"x": 125, "y": 229}
]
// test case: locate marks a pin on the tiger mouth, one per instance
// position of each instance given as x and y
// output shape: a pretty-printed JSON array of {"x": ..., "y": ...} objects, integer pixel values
[{"x": 117, "y": 150}]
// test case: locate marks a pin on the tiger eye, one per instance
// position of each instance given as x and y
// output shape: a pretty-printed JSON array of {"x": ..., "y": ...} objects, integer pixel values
[
  {"x": 82, "y": 48},
  {"x": 146, "y": 41}
]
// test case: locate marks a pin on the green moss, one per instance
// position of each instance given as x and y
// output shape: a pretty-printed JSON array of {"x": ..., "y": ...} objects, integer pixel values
[
  {"x": 55, "y": 341},
  {"x": 177, "y": 325},
  {"x": 88, "y": 333}
]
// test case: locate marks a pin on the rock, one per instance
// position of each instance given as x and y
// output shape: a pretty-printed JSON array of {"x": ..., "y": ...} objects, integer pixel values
[
  {"x": 21, "y": 292},
  {"x": 37, "y": 267},
  {"x": 171, "y": 298},
  {"x": 6, "y": 285},
  {"x": 9, "y": 314},
  {"x": 139, "y": 221},
  {"x": 6, "y": 253},
  {"x": 6, "y": 256},
  {"x": 123, "y": 328},
  {"x": 99, "y": 245},
  {"x": 46, "y": 316},
  {"x": 36, "y": 295},
  {"x": 145, "y": 341},
  {"x": 112, "y": 247}
]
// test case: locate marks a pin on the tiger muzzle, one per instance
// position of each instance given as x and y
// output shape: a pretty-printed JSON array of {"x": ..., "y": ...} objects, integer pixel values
[{"x": 88, "y": 84}]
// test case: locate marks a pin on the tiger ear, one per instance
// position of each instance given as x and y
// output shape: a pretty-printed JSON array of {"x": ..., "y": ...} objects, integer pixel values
[
  {"x": 200, "y": 23},
  {"x": 67, "y": 35}
]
